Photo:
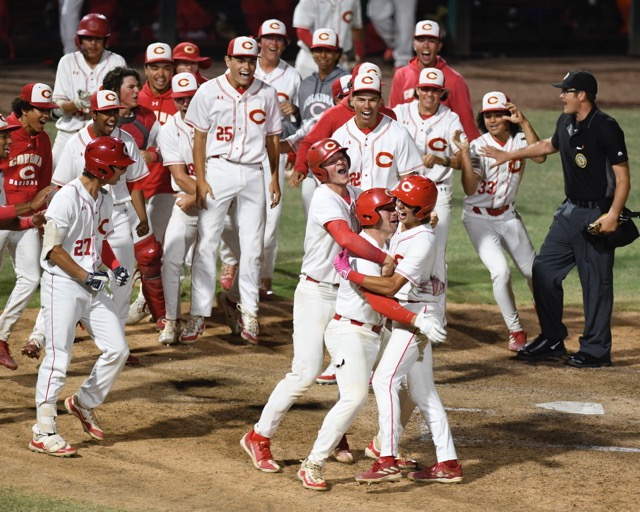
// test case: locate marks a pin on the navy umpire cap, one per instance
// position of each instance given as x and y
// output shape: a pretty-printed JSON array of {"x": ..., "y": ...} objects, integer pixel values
[{"x": 580, "y": 80}]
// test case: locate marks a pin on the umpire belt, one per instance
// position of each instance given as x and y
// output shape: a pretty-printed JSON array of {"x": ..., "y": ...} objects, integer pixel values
[
  {"x": 580, "y": 203},
  {"x": 370, "y": 327},
  {"x": 494, "y": 212}
]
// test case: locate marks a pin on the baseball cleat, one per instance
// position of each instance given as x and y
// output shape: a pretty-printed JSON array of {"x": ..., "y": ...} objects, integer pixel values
[
  {"x": 439, "y": 472},
  {"x": 310, "y": 474},
  {"x": 169, "y": 335},
  {"x": 33, "y": 346},
  {"x": 328, "y": 376},
  {"x": 383, "y": 470},
  {"x": 260, "y": 452},
  {"x": 138, "y": 310},
  {"x": 342, "y": 452},
  {"x": 86, "y": 416},
  {"x": 5, "y": 356},
  {"x": 249, "y": 328},
  {"x": 193, "y": 329},
  {"x": 227, "y": 275},
  {"x": 517, "y": 340},
  {"x": 403, "y": 461},
  {"x": 51, "y": 444},
  {"x": 266, "y": 291},
  {"x": 230, "y": 310}
]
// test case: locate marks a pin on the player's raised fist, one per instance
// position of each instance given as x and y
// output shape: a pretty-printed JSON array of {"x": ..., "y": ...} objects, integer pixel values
[{"x": 122, "y": 275}]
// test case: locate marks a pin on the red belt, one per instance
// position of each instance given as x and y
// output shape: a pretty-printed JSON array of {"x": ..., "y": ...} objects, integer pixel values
[
  {"x": 311, "y": 279},
  {"x": 375, "y": 328},
  {"x": 494, "y": 212}
]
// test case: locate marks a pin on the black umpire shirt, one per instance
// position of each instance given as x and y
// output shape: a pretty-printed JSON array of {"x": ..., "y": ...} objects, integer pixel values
[{"x": 588, "y": 150}]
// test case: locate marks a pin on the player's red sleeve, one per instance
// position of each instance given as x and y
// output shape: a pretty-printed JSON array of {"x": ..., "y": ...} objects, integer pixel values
[
  {"x": 389, "y": 307},
  {"x": 108, "y": 257},
  {"x": 25, "y": 223},
  {"x": 305, "y": 36},
  {"x": 354, "y": 243},
  {"x": 8, "y": 212},
  {"x": 155, "y": 154}
]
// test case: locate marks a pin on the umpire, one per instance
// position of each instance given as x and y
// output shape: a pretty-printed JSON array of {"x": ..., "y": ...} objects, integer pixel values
[{"x": 596, "y": 180}]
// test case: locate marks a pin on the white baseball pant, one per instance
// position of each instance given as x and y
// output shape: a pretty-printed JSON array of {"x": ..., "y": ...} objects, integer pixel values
[
  {"x": 159, "y": 208},
  {"x": 245, "y": 183},
  {"x": 314, "y": 305},
  {"x": 489, "y": 236},
  {"x": 179, "y": 237},
  {"x": 24, "y": 247},
  {"x": 272, "y": 224},
  {"x": 395, "y": 21},
  {"x": 305, "y": 65},
  {"x": 443, "y": 209},
  {"x": 409, "y": 354},
  {"x": 65, "y": 303},
  {"x": 353, "y": 351},
  {"x": 308, "y": 187}
]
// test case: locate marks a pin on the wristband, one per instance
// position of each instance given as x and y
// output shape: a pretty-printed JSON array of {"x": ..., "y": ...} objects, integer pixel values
[{"x": 356, "y": 277}]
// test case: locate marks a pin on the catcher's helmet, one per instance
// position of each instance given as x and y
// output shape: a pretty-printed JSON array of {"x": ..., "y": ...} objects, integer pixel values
[
  {"x": 417, "y": 191},
  {"x": 368, "y": 203},
  {"x": 103, "y": 152},
  {"x": 93, "y": 25},
  {"x": 319, "y": 153}
]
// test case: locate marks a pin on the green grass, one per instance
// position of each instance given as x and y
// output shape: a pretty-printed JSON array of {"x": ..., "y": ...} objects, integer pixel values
[
  {"x": 14, "y": 500},
  {"x": 540, "y": 194}
]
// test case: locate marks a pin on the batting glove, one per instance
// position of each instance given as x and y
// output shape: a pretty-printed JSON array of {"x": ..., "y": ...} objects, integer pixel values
[
  {"x": 83, "y": 100},
  {"x": 433, "y": 286},
  {"x": 96, "y": 280},
  {"x": 341, "y": 264},
  {"x": 122, "y": 275},
  {"x": 431, "y": 328}
]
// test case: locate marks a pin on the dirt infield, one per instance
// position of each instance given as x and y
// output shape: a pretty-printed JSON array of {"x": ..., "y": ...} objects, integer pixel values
[{"x": 173, "y": 425}]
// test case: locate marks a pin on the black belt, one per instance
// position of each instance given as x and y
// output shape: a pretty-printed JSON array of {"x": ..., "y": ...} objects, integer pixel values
[
  {"x": 585, "y": 204},
  {"x": 374, "y": 328}
]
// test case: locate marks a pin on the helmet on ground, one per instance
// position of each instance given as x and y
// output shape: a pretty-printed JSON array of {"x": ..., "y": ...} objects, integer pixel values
[
  {"x": 368, "y": 203},
  {"x": 417, "y": 191},
  {"x": 104, "y": 152},
  {"x": 319, "y": 153},
  {"x": 93, "y": 25}
]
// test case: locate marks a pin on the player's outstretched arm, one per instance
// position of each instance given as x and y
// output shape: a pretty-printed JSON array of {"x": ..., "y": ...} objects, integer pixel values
[{"x": 541, "y": 148}]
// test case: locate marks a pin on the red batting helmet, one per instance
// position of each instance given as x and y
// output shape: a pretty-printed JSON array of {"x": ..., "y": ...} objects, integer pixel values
[
  {"x": 93, "y": 25},
  {"x": 368, "y": 203},
  {"x": 319, "y": 153},
  {"x": 417, "y": 191},
  {"x": 102, "y": 153}
]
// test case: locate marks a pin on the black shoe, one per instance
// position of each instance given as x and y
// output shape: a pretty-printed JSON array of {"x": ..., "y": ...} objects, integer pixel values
[
  {"x": 541, "y": 348},
  {"x": 584, "y": 360}
]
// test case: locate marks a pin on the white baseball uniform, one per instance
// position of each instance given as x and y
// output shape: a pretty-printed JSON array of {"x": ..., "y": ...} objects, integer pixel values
[
  {"x": 73, "y": 75},
  {"x": 435, "y": 135},
  {"x": 176, "y": 144},
  {"x": 353, "y": 340},
  {"x": 237, "y": 124},
  {"x": 341, "y": 16},
  {"x": 408, "y": 353},
  {"x": 125, "y": 218},
  {"x": 380, "y": 157},
  {"x": 314, "y": 303},
  {"x": 286, "y": 81},
  {"x": 493, "y": 222},
  {"x": 66, "y": 301}
]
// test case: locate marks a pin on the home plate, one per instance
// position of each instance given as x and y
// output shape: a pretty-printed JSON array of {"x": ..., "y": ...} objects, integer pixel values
[{"x": 574, "y": 407}]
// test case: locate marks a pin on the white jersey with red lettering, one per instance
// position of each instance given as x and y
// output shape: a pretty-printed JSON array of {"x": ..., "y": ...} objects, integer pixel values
[
  {"x": 341, "y": 16},
  {"x": 433, "y": 134},
  {"x": 86, "y": 223},
  {"x": 380, "y": 157},
  {"x": 176, "y": 145},
  {"x": 319, "y": 246},
  {"x": 498, "y": 186},
  {"x": 237, "y": 122},
  {"x": 71, "y": 162},
  {"x": 414, "y": 252}
]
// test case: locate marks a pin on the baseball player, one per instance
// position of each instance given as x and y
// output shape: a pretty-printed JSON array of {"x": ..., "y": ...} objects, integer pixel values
[
  {"x": 156, "y": 96},
  {"x": 489, "y": 213},
  {"x": 186, "y": 59},
  {"x": 432, "y": 126},
  {"x": 314, "y": 97},
  {"x": 176, "y": 144},
  {"x": 353, "y": 335},
  {"x": 427, "y": 43},
  {"x": 79, "y": 75},
  {"x": 272, "y": 40},
  {"x": 74, "y": 249},
  {"x": 129, "y": 220},
  {"x": 235, "y": 117},
  {"x": 408, "y": 353},
  {"x": 331, "y": 224},
  {"x": 27, "y": 171},
  {"x": 344, "y": 17},
  {"x": 393, "y": 21}
]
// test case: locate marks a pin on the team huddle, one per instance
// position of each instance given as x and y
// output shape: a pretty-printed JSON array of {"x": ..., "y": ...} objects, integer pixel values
[{"x": 148, "y": 180}]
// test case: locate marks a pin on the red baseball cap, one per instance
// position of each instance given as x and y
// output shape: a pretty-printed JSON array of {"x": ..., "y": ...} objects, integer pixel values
[
  {"x": 38, "y": 95},
  {"x": 340, "y": 86},
  {"x": 6, "y": 127},
  {"x": 191, "y": 53}
]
